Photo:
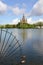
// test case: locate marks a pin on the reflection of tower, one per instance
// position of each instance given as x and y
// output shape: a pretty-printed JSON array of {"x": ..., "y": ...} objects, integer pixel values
[
  {"x": 24, "y": 20},
  {"x": 24, "y": 35}
]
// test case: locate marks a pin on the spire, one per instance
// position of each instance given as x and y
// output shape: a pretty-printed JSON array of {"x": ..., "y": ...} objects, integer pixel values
[{"x": 23, "y": 19}]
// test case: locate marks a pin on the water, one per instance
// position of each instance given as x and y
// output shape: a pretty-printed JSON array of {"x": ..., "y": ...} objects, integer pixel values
[{"x": 32, "y": 40}]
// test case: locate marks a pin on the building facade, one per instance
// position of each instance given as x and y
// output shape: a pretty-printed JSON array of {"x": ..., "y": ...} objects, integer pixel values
[{"x": 23, "y": 20}]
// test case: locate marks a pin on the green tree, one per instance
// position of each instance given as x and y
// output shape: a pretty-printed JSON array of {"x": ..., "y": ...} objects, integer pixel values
[{"x": 40, "y": 24}]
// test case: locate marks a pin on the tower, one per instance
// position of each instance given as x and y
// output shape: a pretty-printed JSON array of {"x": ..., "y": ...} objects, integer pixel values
[{"x": 23, "y": 20}]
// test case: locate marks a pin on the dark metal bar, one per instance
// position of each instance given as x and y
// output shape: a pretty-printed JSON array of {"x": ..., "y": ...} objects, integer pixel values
[
  {"x": 11, "y": 53},
  {"x": 9, "y": 45},
  {"x": 10, "y": 48},
  {"x": 7, "y": 41},
  {"x": 4, "y": 40},
  {"x": 0, "y": 35},
  {"x": 15, "y": 51},
  {"x": 13, "y": 57}
]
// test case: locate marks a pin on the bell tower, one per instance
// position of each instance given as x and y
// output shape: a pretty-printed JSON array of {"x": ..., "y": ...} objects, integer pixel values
[{"x": 23, "y": 20}]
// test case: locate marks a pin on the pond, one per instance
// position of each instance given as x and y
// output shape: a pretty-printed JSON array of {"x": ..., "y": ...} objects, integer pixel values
[{"x": 32, "y": 40}]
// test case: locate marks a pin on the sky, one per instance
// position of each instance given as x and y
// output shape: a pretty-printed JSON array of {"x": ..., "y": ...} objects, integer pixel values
[{"x": 11, "y": 11}]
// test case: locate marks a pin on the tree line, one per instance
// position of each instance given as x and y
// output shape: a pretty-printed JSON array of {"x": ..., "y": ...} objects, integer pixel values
[{"x": 25, "y": 25}]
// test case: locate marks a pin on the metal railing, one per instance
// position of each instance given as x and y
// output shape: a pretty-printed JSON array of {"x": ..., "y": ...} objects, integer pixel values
[{"x": 10, "y": 48}]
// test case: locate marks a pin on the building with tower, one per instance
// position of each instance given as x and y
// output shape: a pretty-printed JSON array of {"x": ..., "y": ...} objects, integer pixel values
[{"x": 23, "y": 20}]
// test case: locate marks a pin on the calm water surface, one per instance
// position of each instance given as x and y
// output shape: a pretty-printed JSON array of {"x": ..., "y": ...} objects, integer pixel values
[{"x": 32, "y": 44}]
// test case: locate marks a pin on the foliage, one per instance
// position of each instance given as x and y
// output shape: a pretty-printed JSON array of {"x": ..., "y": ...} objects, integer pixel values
[
  {"x": 24, "y": 25},
  {"x": 40, "y": 24},
  {"x": 7, "y": 26}
]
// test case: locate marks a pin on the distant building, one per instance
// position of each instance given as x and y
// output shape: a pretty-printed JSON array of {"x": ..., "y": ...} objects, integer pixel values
[{"x": 23, "y": 20}]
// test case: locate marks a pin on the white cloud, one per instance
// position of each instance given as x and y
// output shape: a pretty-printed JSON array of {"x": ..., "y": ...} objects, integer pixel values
[
  {"x": 16, "y": 10},
  {"x": 31, "y": 21},
  {"x": 37, "y": 9},
  {"x": 15, "y": 21},
  {"x": 40, "y": 20},
  {"x": 3, "y": 7}
]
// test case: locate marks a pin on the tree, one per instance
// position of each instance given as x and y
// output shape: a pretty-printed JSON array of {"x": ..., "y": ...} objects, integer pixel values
[{"x": 40, "y": 24}]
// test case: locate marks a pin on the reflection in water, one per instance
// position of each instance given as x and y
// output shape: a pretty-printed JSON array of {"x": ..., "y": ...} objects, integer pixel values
[
  {"x": 24, "y": 35},
  {"x": 33, "y": 44},
  {"x": 38, "y": 46},
  {"x": 38, "y": 41}
]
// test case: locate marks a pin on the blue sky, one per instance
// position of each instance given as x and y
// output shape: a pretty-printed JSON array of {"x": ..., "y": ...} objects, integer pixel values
[{"x": 11, "y": 11}]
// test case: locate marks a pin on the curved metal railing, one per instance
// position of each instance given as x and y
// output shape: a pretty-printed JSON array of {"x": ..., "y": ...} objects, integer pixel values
[{"x": 10, "y": 48}]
